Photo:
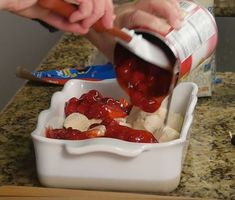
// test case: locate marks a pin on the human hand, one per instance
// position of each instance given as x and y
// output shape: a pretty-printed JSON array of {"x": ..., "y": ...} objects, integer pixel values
[
  {"x": 88, "y": 12},
  {"x": 156, "y": 15}
]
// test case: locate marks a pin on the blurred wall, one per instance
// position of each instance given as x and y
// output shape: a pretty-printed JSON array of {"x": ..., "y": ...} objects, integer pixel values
[
  {"x": 225, "y": 51},
  {"x": 22, "y": 43}
]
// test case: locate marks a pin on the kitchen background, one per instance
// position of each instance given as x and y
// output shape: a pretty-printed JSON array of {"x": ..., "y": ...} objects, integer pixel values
[{"x": 26, "y": 43}]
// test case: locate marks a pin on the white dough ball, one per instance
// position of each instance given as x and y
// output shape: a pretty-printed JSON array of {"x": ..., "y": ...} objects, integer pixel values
[
  {"x": 153, "y": 122},
  {"x": 175, "y": 121},
  {"x": 161, "y": 112},
  {"x": 167, "y": 134},
  {"x": 77, "y": 121}
]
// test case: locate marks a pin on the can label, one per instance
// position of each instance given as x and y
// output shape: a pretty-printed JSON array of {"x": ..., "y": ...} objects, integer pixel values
[
  {"x": 196, "y": 40},
  {"x": 204, "y": 74},
  {"x": 192, "y": 35}
]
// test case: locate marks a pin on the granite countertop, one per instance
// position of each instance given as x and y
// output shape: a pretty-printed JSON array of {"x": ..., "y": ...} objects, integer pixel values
[
  {"x": 224, "y": 8},
  {"x": 208, "y": 170}
]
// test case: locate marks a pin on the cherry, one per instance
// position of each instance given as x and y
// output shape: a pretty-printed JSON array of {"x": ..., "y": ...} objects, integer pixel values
[
  {"x": 128, "y": 134},
  {"x": 96, "y": 110},
  {"x": 124, "y": 104},
  {"x": 109, "y": 121},
  {"x": 66, "y": 134},
  {"x": 145, "y": 84},
  {"x": 124, "y": 71},
  {"x": 143, "y": 88},
  {"x": 117, "y": 131},
  {"x": 150, "y": 104},
  {"x": 110, "y": 101},
  {"x": 91, "y": 97},
  {"x": 83, "y": 107},
  {"x": 139, "y": 136},
  {"x": 71, "y": 106},
  {"x": 136, "y": 97},
  {"x": 136, "y": 78},
  {"x": 115, "y": 111},
  {"x": 151, "y": 79}
]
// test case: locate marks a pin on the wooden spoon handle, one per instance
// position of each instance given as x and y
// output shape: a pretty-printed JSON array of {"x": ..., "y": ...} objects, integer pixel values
[
  {"x": 65, "y": 9},
  {"x": 23, "y": 73},
  {"x": 59, "y": 7}
]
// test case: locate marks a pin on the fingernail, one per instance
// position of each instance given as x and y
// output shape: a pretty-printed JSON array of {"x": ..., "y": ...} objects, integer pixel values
[
  {"x": 165, "y": 28},
  {"x": 177, "y": 24}
]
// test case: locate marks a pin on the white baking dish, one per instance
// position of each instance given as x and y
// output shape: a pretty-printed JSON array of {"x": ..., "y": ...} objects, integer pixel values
[{"x": 110, "y": 164}]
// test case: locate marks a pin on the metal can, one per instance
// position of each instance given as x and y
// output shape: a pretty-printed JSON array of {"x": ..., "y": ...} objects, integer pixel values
[
  {"x": 148, "y": 84},
  {"x": 193, "y": 43},
  {"x": 204, "y": 75},
  {"x": 196, "y": 40}
]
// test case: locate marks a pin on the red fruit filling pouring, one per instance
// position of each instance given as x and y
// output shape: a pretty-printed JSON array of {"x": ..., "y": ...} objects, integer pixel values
[
  {"x": 94, "y": 105},
  {"x": 146, "y": 84}
]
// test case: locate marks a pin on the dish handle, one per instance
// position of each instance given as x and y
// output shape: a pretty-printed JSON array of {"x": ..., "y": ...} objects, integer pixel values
[{"x": 107, "y": 145}]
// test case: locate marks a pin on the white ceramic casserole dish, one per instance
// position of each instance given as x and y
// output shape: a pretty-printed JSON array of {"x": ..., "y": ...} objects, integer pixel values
[{"x": 105, "y": 163}]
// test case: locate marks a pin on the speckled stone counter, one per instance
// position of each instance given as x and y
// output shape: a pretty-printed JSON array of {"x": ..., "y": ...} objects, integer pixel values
[
  {"x": 209, "y": 168},
  {"x": 225, "y": 8}
]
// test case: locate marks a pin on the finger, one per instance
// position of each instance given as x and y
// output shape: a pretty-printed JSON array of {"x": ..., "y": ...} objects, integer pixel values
[
  {"x": 139, "y": 18},
  {"x": 109, "y": 16},
  {"x": 168, "y": 9},
  {"x": 36, "y": 12},
  {"x": 64, "y": 25},
  {"x": 175, "y": 3},
  {"x": 175, "y": 17},
  {"x": 85, "y": 9},
  {"x": 98, "y": 12},
  {"x": 72, "y": 1}
]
